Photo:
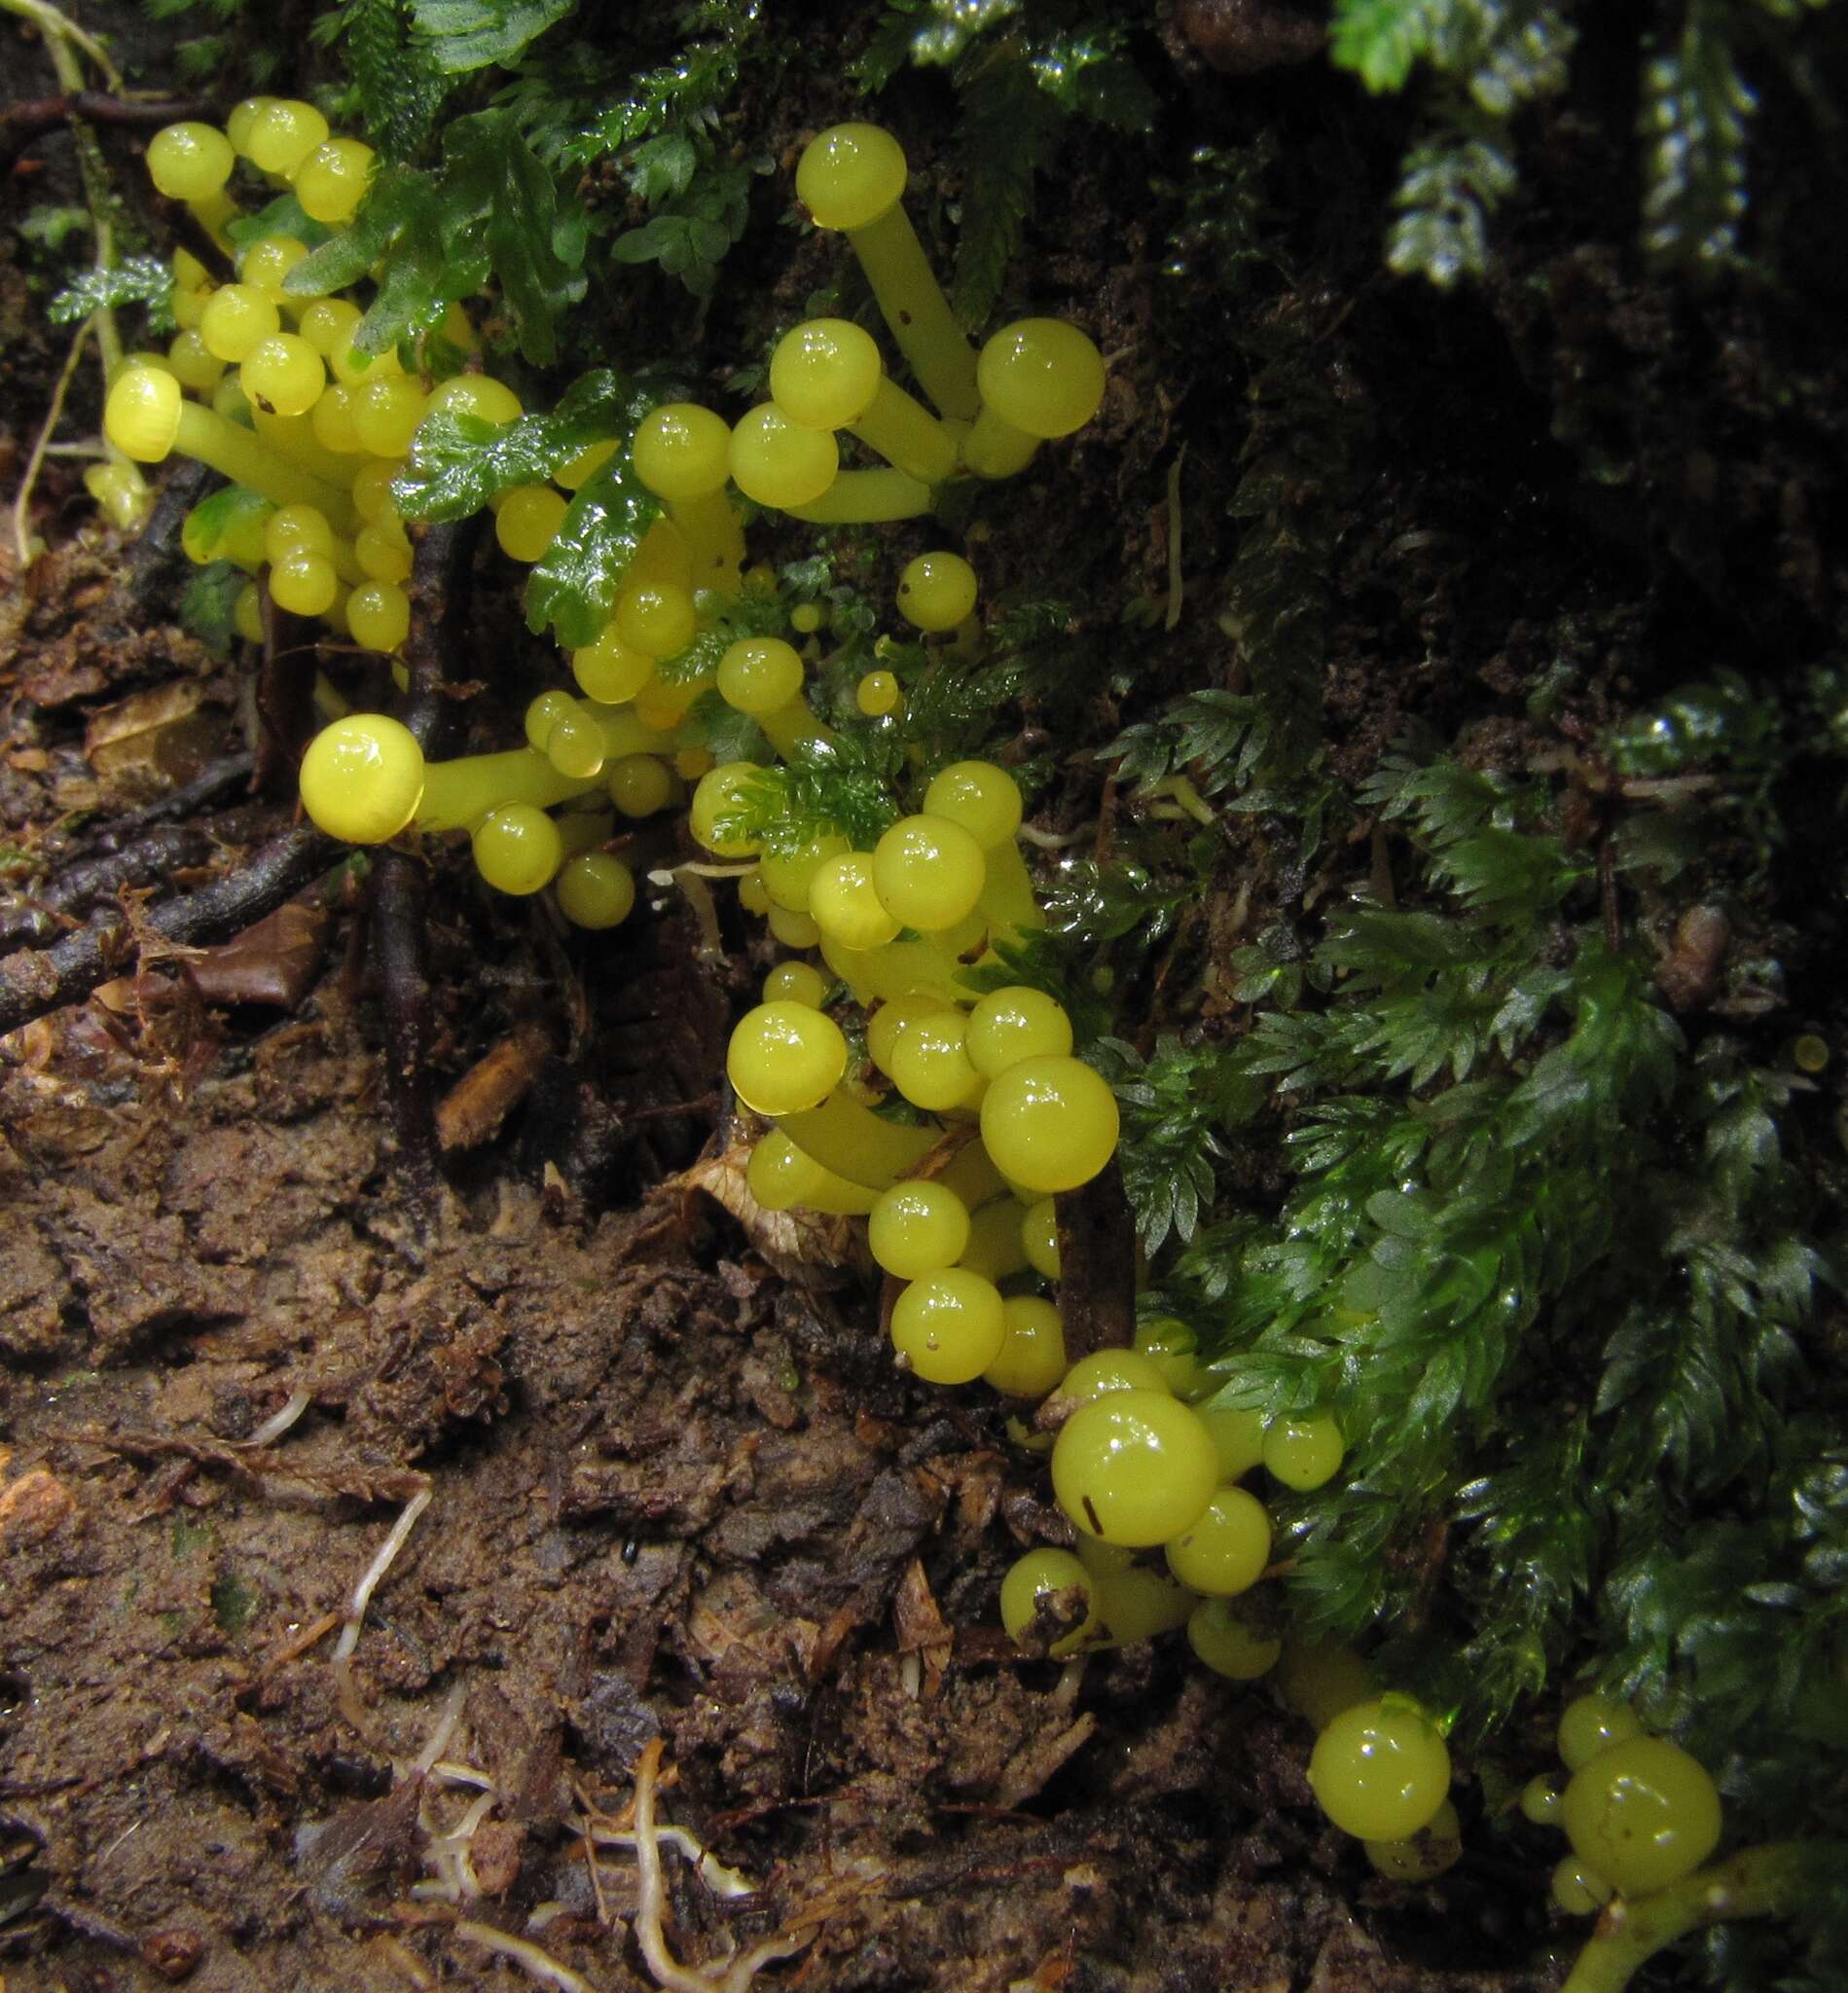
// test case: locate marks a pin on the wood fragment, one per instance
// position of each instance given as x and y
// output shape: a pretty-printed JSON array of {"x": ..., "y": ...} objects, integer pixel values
[
  {"x": 399, "y": 897},
  {"x": 473, "y": 1109},
  {"x": 275, "y": 962},
  {"x": 257, "y": 1467},
  {"x": 33, "y": 982},
  {"x": 21, "y": 124},
  {"x": 1097, "y": 1265},
  {"x": 284, "y": 698}
]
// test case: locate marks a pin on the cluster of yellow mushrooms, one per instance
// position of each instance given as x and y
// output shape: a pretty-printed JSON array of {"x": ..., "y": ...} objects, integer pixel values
[{"x": 958, "y": 1188}]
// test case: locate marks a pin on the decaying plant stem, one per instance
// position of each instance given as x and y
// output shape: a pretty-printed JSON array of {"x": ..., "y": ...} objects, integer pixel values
[
  {"x": 399, "y": 899},
  {"x": 33, "y": 982}
]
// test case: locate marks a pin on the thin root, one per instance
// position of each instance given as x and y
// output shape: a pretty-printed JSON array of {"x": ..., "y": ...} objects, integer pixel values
[
  {"x": 22, "y": 539},
  {"x": 669, "y": 1973},
  {"x": 540, "y": 1964},
  {"x": 343, "y": 1656}
]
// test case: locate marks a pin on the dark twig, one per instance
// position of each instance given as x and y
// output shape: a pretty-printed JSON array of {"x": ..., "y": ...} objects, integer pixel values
[
  {"x": 166, "y": 848},
  {"x": 1097, "y": 1265},
  {"x": 439, "y": 615},
  {"x": 177, "y": 805},
  {"x": 32, "y": 983},
  {"x": 398, "y": 908},
  {"x": 142, "y": 848},
  {"x": 157, "y": 566},
  {"x": 438, "y": 608},
  {"x": 285, "y": 699},
  {"x": 21, "y": 124}
]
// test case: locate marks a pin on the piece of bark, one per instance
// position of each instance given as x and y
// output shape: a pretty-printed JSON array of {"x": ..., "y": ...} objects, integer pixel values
[{"x": 1097, "y": 1265}]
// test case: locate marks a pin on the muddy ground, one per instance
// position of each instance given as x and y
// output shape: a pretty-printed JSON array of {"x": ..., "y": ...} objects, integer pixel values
[{"x": 671, "y": 1497}]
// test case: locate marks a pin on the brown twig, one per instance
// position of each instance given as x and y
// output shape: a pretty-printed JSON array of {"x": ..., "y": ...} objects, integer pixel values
[
  {"x": 285, "y": 699},
  {"x": 157, "y": 566},
  {"x": 33, "y": 982},
  {"x": 139, "y": 848},
  {"x": 167, "y": 848},
  {"x": 439, "y": 613},
  {"x": 1097, "y": 1265},
  {"x": 437, "y": 607},
  {"x": 21, "y": 124},
  {"x": 398, "y": 913}
]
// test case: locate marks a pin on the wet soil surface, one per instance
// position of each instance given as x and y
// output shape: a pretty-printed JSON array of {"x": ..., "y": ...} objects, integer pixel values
[{"x": 662, "y": 1497}]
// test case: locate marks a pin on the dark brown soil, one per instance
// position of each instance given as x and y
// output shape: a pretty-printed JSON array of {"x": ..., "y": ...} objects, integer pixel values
[{"x": 671, "y": 1497}]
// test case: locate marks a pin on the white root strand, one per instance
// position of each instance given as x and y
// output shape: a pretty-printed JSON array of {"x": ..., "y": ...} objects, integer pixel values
[
  {"x": 719, "y": 1880},
  {"x": 447, "y": 1718},
  {"x": 374, "y": 1570},
  {"x": 669, "y": 1973},
  {"x": 540, "y": 1964},
  {"x": 278, "y": 1423}
]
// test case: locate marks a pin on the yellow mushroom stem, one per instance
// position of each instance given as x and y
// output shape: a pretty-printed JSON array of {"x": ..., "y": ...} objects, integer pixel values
[
  {"x": 663, "y": 557},
  {"x": 148, "y": 418},
  {"x": 834, "y": 1196},
  {"x": 213, "y": 212},
  {"x": 792, "y": 728},
  {"x": 906, "y": 434},
  {"x": 865, "y": 498},
  {"x": 1007, "y": 901},
  {"x": 846, "y": 1136},
  {"x": 715, "y": 535},
  {"x": 458, "y": 794},
  {"x": 913, "y": 305},
  {"x": 787, "y": 1177},
  {"x": 996, "y": 448},
  {"x": 897, "y": 970},
  {"x": 972, "y": 1174},
  {"x": 994, "y": 1248},
  {"x": 1769, "y": 1881},
  {"x": 293, "y": 437},
  {"x": 626, "y": 732}
]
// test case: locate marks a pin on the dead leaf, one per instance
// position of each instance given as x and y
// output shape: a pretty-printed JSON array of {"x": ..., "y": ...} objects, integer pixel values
[
  {"x": 152, "y": 731},
  {"x": 795, "y": 1243},
  {"x": 275, "y": 962}
]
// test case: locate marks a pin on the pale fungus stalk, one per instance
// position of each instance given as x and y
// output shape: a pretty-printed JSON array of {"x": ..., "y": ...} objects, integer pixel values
[
  {"x": 898, "y": 968},
  {"x": 715, "y": 535},
  {"x": 846, "y": 1136},
  {"x": 149, "y": 419},
  {"x": 1007, "y": 901},
  {"x": 59, "y": 30},
  {"x": 1040, "y": 379},
  {"x": 292, "y": 438},
  {"x": 827, "y": 374},
  {"x": 458, "y": 794},
  {"x": 25, "y": 545},
  {"x": 865, "y": 498},
  {"x": 907, "y": 435},
  {"x": 64, "y": 41},
  {"x": 1767, "y": 1881},
  {"x": 852, "y": 178},
  {"x": 792, "y": 729}
]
